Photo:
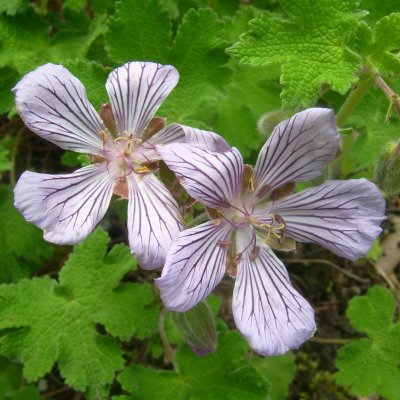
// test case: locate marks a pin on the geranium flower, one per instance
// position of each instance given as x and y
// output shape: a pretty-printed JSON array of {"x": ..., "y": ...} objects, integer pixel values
[
  {"x": 53, "y": 104},
  {"x": 250, "y": 218}
]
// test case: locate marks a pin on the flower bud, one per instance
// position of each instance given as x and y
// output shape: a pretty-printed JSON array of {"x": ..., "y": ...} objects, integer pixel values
[
  {"x": 387, "y": 171},
  {"x": 197, "y": 327}
]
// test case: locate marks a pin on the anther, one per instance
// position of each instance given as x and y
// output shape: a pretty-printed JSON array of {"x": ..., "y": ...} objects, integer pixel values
[
  {"x": 142, "y": 170},
  {"x": 220, "y": 213},
  {"x": 251, "y": 184},
  {"x": 104, "y": 138}
]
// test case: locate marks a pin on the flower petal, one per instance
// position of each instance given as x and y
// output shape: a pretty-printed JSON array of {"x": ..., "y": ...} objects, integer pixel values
[
  {"x": 195, "y": 264},
  {"x": 176, "y": 133},
  {"x": 297, "y": 150},
  {"x": 66, "y": 207},
  {"x": 196, "y": 137},
  {"x": 343, "y": 216},
  {"x": 205, "y": 139},
  {"x": 215, "y": 179},
  {"x": 53, "y": 104},
  {"x": 154, "y": 220},
  {"x": 136, "y": 90},
  {"x": 268, "y": 311}
]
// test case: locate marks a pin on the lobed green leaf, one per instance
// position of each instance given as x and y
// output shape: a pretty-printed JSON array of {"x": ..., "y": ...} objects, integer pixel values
[
  {"x": 312, "y": 45},
  {"x": 371, "y": 365},
  {"x": 45, "y": 321}
]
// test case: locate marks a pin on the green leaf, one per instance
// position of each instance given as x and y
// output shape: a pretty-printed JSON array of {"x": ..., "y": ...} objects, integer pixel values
[
  {"x": 225, "y": 374},
  {"x": 12, "y": 7},
  {"x": 238, "y": 23},
  {"x": 378, "y": 9},
  {"x": 250, "y": 94},
  {"x": 369, "y": 120},
  {"x": 371, "y": 365},
  {"x": 22, "y": 249},
  {"x": 12, "y": 385},
  {"x": 75, "y": 5},
  {"x": 385, "y": 45},
  {"x": 22, "y": 55},
  {"x": 198, "y": 54},
  {"x": 8, "y": 78},
  {"x": 311, "y": 45},
  {"x": 279, "y": 371},
  {"x": 48, "y": 322},
  {"x": 140, "y": 31}
]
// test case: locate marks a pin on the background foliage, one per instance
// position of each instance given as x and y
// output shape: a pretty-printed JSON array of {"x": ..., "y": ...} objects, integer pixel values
[{"x": 85, "y": 322}]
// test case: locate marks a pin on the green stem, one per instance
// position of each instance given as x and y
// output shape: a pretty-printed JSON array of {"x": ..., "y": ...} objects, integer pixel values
[
  {"x": 330, "y": 340},
  {"x": 169, "y": 357},
  {"x": 354, "y": 98},
  {"x": 14, "y": 153}
]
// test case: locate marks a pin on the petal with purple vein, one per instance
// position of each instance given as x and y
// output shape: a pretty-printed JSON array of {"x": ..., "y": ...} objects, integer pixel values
[
  {"x": 154, "y": 220},
  {"x": 268, "y": 310},
  {"x": 176, "y": 133},
  {"x": 214, "y": 179},
  {"x": 195, "y": 264},
  {"x": 53, "y": 104},
  {"x": 66, "y": 207},
  {"x": 343, "y": 216},
  {"x": 297, "y": 150},
  {"x": 136, "y": 90}
]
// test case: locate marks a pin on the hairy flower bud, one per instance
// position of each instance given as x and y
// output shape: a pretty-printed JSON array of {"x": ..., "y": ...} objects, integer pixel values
[
  {"x": 388, "y": 168},
  {"x": 197, "y": 327}
]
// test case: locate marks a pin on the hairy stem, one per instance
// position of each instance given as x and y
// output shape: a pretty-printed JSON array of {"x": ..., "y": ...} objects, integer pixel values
[
  {"x": 392, "y": 96},
  {"x": 14, "y": 153},
  {"x": 354, "y": 98},
  {"x": 169, "y": 357}
]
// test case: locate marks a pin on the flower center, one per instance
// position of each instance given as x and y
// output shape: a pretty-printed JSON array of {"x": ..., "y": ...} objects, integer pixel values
[{"x": 123, "y": 154}]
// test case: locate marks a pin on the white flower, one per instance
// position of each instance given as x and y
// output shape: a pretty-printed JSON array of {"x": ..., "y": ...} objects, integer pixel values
[
  {"x": 250, "y": 216},
  {"x": 53, "y": 103}
]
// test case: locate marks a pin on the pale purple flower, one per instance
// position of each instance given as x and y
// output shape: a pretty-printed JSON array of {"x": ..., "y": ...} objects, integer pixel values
[
  {"x": 53, "y": 104},
  {"x": 250, "y": 218}
]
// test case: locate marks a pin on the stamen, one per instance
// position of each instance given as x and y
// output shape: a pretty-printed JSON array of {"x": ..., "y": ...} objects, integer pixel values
[
  {"x": 129, "y": 147},
  {"x": 142, "y": 170},
  {"x": 220, "y": 213},
  {"x": 251, "y": 184},
  {"x": 217, "y": 222},
  {"x": 104, "y": 138},
  {"x": 119, "y": 139}
]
